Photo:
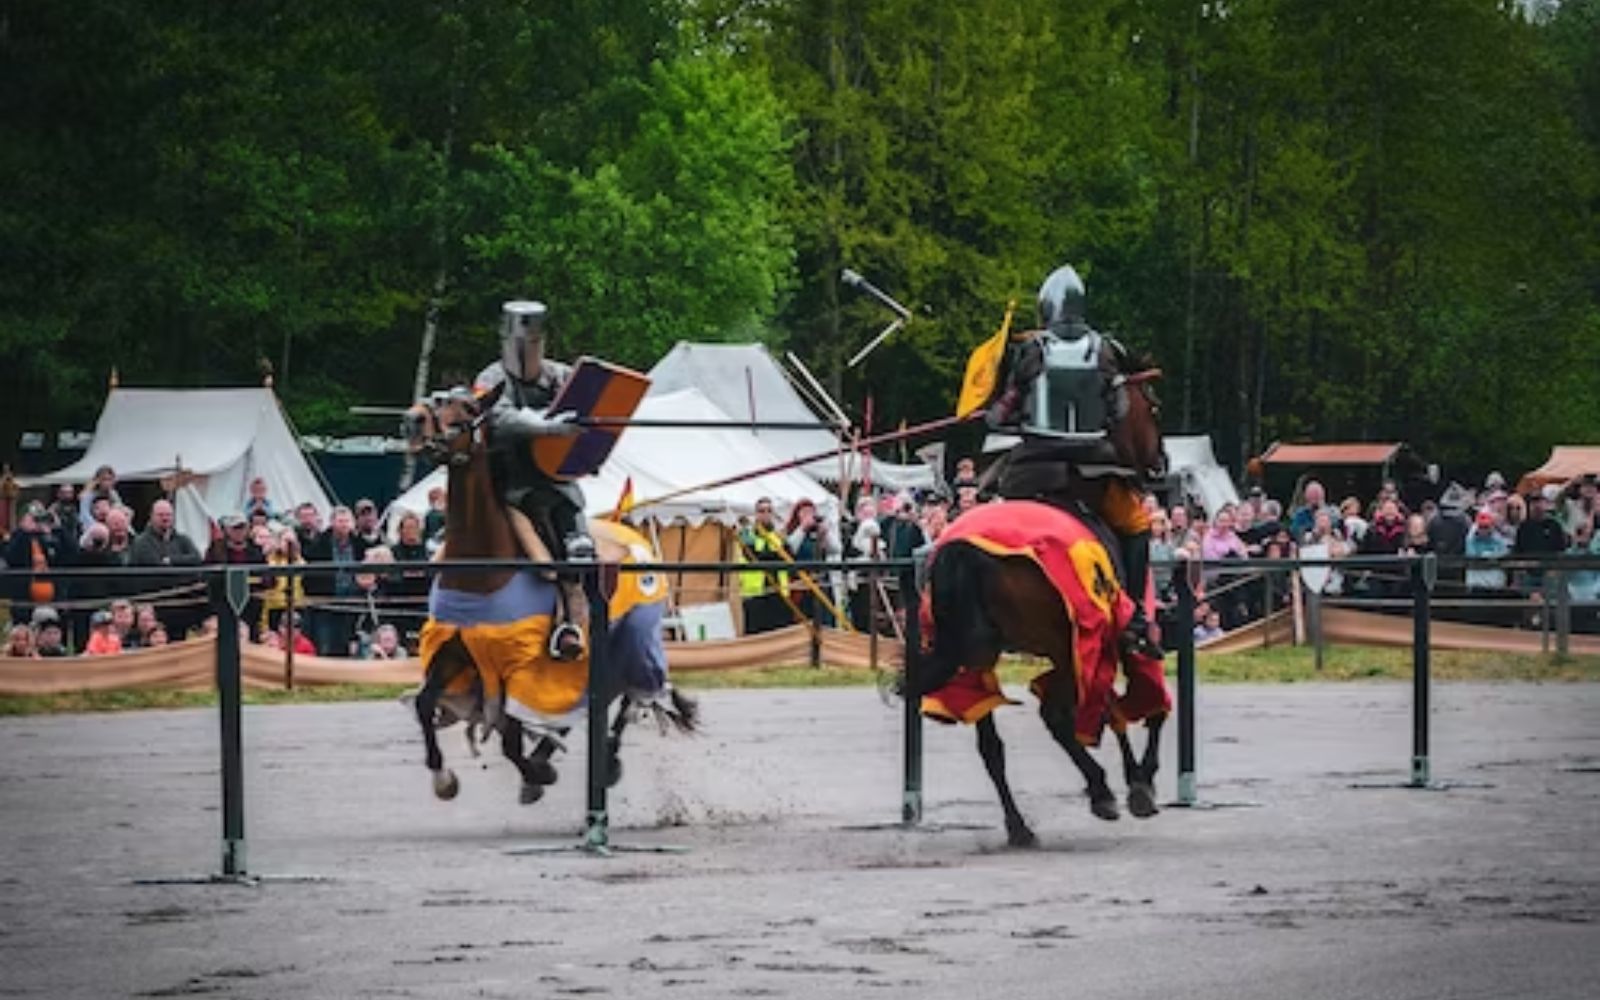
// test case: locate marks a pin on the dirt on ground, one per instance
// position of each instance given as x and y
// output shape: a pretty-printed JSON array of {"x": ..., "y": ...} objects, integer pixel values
[{"x": 1315, "y": 876}]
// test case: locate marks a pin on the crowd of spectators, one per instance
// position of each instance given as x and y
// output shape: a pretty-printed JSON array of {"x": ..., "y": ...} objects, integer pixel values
[
  {"x": 362, "y": 610},
  {"x": 355, "y": 612}
]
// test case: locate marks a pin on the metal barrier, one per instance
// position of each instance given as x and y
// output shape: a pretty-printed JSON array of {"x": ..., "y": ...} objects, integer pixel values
[{"x": 229, "y": 592}]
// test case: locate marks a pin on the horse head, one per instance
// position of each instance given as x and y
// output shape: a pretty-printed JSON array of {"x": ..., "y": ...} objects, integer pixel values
[
  {"x": 1135, "y": 432},
  {"x": 445, "y": 425}
]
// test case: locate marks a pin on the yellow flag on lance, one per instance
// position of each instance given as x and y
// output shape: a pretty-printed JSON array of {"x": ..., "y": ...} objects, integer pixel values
[{"x": 983, "y": 367}]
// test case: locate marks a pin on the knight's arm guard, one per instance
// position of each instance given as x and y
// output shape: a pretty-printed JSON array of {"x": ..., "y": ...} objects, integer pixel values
[
  {"x": 511, "y": 425},
  {"x": 1024, "y": 364}
]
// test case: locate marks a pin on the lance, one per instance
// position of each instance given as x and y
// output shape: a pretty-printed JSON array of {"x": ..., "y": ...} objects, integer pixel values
[
  {"x": 932, "y": 426},
  {"x": 630, "y": 423}
]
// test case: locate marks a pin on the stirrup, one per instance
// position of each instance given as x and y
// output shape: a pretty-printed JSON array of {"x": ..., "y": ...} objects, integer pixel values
[
  {"x": 566, "y": 642},
  {"x": 580, "y": 548}
]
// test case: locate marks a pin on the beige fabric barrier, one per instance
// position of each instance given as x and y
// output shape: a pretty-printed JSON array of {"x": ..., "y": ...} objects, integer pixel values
[{"x": 191, "y": 665}]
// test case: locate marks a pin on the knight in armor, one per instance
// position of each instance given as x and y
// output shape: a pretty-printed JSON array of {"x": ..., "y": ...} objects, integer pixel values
[
  {"x": 1056, "y": 395},
  {"x": 520, "y": 415}
]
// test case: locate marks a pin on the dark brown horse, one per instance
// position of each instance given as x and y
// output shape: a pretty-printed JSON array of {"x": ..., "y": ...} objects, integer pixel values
[
  {"x": 449, "y": 428},
  {"x": 982, "y": 605}
]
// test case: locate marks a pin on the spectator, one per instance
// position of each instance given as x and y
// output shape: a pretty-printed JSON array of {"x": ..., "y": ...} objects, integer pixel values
[
  {"x": 1449, "y": 529},
  {"x": 935, "y": 518},
  {"x": 1162, "y": 552},
  {"x": 1485, "y": 542},
  {"x": 145, "y": 622},
  {"x": 1209, "y": 629},
  {"x": 410, "y": 548},
  {"x": 66, "y": 511},
  {"x": 1416, "y": 541},
  {"x": 1540, "y": 534},
  {"x": 866, "y": 545},
  {"x": 19, "y": 643},
  {"x": 258, "y": 502},
  {"x": 123, "y": 624},
  {"x": 808, "y": 539},
  {"x": 386, "y": 644},
  {"x": 966, "y": 499},
  {"x": 367, "y": 523},
  {"x": 902, "y": 535},
  {"x": 107, "y": 546},
  {"x": 103, "y": 640},
  {"x": 161, "y": 543},
  {"x": 1512, "y": 512},
  {"x": 1304, "y": 517},
  {"x": 295, "y": 637},
  {"x": 966, "y": 475},
  {"x": 1387, "y": 532},
  {"x": 1221, "y": 541},
  {"x": 1351, "y": 523},
  {"x": 49, "y": 638},
  {"x": 307, "y": 526},
  {"x": 764, "y": 594},
  {"x": 102, "y": 487},
  {"x": 235, "y": 547},
  {"x": 332, "y": 628},
  {"x": 1178, "y": 518},
  {"x": 33, "y": 546},
  {"x": 156, "y": 637},
  {"x": 433, "y": 521},
  {"x": 1582, "y": 503}
]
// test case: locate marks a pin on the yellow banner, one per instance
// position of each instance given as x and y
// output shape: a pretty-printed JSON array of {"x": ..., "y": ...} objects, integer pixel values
[{"x": 983, "y": 367}]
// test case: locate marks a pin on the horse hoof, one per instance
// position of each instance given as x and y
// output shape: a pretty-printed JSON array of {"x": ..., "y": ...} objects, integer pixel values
[
  {"x": 615, "y": 773},
  {"x": 530, "y": 794},
  {"x": 445, "y": 785},
  {"x": 542, "y": 772},
  {"x": 1106, "y": 809},
  {"x": 1021, "y": 837},
  {"x": 1142, "y": 801}
]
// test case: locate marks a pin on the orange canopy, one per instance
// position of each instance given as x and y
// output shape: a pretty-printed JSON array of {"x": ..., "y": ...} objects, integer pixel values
[
  {"x": 1566, "y": 463},
  {"x": 1331, "y": 454}
]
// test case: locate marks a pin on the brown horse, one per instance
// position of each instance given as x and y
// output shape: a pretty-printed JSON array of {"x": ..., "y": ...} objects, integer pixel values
[
  {"x": 449, "y": 428},
  {"x": 982, "y": 604}
]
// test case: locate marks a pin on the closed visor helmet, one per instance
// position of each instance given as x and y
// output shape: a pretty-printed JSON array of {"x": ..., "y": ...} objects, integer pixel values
[
  {"x": 522, "y": 339},
  {"x": 1061, "y": 300}
]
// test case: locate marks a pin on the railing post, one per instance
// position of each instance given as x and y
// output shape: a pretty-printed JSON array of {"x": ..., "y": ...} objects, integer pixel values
[
  {"x": 1424, "y": 573},
  {"x": 1183, "y": 582},
  {"x": 597, "y": 826},
  {"x": 1558, "y": 579},
  {"x": 229, "y": 592},
  {"x": 911, "y": 788}
]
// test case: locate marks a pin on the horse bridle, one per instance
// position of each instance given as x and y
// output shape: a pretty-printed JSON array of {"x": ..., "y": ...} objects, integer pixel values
[{"x": 440, "y": 448}]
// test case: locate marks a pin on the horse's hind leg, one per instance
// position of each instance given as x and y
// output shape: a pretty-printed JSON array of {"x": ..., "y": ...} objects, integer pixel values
[
  {"x": 1141, "y": 793},
  {"x": 993, "y": 752},
  {"x": 1058, "y": 719},
  {"x": 614, "y": 743},
  {"x": 444, "y": 667},
  {"x": 511, "y": 745}
]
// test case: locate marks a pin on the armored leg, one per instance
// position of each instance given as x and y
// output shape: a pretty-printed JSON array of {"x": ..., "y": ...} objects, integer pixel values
[{"x": 1136, "y": 579}]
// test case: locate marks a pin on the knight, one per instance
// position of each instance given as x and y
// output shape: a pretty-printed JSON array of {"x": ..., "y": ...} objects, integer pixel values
[
  {"x": 520, "y": 415},
  {"x": 1057, "y": 394}
]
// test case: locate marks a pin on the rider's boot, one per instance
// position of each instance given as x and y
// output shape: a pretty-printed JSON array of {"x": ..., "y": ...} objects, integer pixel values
[
  {"x": 1136, "y": 637},
  {"x": 567, "y": 641}
]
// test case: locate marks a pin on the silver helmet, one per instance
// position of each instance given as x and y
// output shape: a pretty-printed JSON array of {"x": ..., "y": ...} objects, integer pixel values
[
  {"x": 1061, "y": 300},
  {"x": 522, "y": 339}
]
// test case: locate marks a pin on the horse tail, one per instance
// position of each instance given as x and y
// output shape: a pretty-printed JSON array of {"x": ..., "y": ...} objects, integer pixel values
[{"x": 958, "y": 583}]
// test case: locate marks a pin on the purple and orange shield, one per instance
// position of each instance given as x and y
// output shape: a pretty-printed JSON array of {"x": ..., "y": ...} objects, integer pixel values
[{"x": 595, "y": 389}]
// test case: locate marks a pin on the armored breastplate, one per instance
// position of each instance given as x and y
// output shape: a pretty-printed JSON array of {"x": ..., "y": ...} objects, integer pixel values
[{"x": 1068, "y": 399}]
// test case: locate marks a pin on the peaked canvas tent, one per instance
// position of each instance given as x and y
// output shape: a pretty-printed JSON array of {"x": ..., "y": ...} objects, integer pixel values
[
  {"x": 1192, "y": 462},
  {"x": 221, "y": 438},
  {"x": 741, "y": 378},
  {"x": 1566, "y": 463}
]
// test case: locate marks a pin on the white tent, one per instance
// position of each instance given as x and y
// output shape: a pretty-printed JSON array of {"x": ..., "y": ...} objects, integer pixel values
[
  {"x": 1193, "y": 464},
  {"x": 746, "y": 383},
  {"x": 665, "y": 460},
  {"x": 223, "y": 438}
]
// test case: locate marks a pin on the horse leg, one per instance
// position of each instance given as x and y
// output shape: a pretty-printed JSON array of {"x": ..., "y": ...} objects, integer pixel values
[
  {"x": 511, "y": 745},
  {"x": 614, "y": 743},
  {"x": 993, "y": 752},
  {"x": 1058, "y": 719},
  {"x": 1141, "y": 794},
  {"x": 445, "y": 784}
]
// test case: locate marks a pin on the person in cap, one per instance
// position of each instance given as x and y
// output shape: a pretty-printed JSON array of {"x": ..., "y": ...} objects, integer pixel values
[
  {"x": 1541, "y": 534},
  {"x": 367, "y": 528},
  {"x": 33, "y": 546},
  {"x": 1056, "y": 395},
  {"x": 521, "y": 414},
  {"x": 103, "y": 639},
  {"x": 49, "y": 639}
]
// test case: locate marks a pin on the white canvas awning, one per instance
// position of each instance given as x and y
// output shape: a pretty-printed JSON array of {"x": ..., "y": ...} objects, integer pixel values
[
  {"x": 746, "y": 383},
  {"x": 221, "y": 437}
]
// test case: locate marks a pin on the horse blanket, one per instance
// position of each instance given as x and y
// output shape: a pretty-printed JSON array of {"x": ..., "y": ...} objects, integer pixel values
[
  {"x": 507, "y": 632},
  {"x": 1075, "y": 561}
]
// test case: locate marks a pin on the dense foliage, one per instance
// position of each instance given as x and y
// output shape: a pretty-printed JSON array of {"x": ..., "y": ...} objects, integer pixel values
[{"x": 1356, "y": 220}]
